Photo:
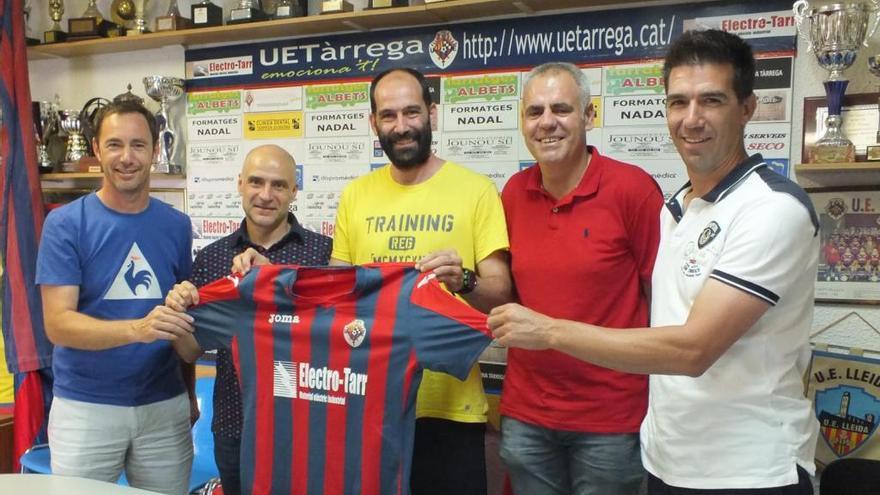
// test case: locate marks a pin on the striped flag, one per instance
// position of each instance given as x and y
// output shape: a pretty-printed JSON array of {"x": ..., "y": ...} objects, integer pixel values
[{"x": 28, "y": 351}]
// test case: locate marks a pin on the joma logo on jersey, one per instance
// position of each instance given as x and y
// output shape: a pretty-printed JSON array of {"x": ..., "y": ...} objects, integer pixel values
[{"x": 280, "y": 318}]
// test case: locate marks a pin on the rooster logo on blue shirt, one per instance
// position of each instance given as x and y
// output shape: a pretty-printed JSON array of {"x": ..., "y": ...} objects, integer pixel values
[{"x": 142, "y": 277}]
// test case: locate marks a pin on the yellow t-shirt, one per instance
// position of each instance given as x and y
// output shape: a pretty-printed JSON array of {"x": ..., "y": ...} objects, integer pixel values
[
  {"x": 379, "y": 220},
  {"x": 7, "y": 394}
]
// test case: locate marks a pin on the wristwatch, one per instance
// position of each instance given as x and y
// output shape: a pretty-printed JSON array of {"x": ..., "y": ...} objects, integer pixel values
[{"x": 468, "y": 281}]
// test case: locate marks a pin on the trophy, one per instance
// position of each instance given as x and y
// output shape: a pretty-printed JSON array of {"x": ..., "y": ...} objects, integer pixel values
[
  {"x": 285, "y": 9},
  {"x": 45, "y": 121},
  {"x": 165, "y": 89},
  {"x": 835, "y": 32},
  {"x": 247, "y": 11},
  {"x": 140, "y": 24},
  {"x": 336, "y": 6},
  {"x": 55, "y": 34},
  {"x": 383, "y": 4},
  {"x": 85, "y": 27},
  {"x": 76, "y": 144},
  {"x": 206, "y": 14},
  {"x": 172, "y": 20}
]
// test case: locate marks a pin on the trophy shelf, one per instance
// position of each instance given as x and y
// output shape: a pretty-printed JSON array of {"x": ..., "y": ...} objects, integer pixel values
[
  {"x": 362, "y": 20},
  {"x": 821, "y": 175}
]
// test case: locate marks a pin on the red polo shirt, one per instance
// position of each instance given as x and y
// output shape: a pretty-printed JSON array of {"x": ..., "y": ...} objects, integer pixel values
[{"x": 586, "y": 257}]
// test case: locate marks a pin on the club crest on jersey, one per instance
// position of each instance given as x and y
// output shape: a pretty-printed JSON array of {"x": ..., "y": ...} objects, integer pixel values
[
  {"x": 354, "y": 332},
  {"x": 708, "y": 235}
]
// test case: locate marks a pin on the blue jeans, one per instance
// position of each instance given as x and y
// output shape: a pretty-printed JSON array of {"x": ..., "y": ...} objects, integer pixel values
[
  {"x": 543, "y": 461},
  {"x": 227, "y": 452}
]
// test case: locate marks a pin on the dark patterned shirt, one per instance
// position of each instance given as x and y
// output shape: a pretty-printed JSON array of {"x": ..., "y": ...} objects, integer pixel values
[{"x": 299, "y": 246}]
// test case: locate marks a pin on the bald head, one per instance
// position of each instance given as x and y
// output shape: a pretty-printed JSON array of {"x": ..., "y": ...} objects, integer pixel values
[{"x": 267, "y": 185}]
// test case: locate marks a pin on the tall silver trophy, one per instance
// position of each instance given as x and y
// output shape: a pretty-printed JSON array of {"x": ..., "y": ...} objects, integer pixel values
[
  {"x": 76, "y": 143},
  {"x": 165, "y": 89},
  {"x": 835, "y": 33},
  {"x": 45, "y": 124}
]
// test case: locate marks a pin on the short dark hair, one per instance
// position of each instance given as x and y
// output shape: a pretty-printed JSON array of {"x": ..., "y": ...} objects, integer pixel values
[
  {"x": 423, "y": 82},
  {"x": 125, "y": 107},
  {"x": 712, "y": 46}
]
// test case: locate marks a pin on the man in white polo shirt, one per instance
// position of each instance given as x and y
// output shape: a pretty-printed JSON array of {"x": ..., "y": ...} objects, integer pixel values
[{"x": 732, "y": 292}]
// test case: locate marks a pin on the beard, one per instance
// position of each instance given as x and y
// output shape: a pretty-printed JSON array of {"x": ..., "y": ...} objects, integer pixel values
[{"x": 408, "y": 158}]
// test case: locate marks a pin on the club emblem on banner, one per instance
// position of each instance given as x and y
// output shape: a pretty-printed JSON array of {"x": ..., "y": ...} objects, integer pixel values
[
  {"x": 443, "y": 49},
  {"x": 847, "y": 417},
  {"x": 845, "y": 391},
  {"x": 354, "y": 332}
]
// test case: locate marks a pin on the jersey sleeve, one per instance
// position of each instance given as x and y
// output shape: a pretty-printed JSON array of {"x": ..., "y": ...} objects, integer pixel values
[
  {"x": 341, "y": 247},
  {"x": 218, "y": 314},
  {"x": 451, "y": 335},
  {"x": 768, "y": 242},
  {"x": 490, "y": 234},
  {"x": 58, "y": 257}
]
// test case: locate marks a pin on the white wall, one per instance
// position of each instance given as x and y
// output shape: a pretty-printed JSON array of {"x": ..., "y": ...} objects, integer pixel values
[{"x": 77, "y": 79}]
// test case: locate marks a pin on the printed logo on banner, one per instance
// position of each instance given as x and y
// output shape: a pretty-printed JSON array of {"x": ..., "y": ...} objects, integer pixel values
[
  {"x": 480, "y": 116},
  {"x": 634, "y": 80},
  {"x": 348, "y": 95},
  {"x": 220, "y": 67},
  {"x": 635, "y": 110},
  {"x": 338, "y": 124},
  {"x": 214, "y": 128},
  {"x": 273, "y": 125},
  {"x": 273, "y": 99},
  {"x": 773, "y": 105},
  {"x": 338, "y": 150},
  {"x": 299, "y": 177},
  {"x": 748, "y": 26},
  {"x": 488, "y": 146},
  {"x": 443, "y": 49},
  {"x": 492, "y": 87},
  {"x": 213, "y": 153},
  {"x": 769, "y": 139},
  {"x": 214, "y": 228},
  {"x": 846, "y": 399},
  {"x": 773, "y": 73},
  {"x": 213, "y": 203},
  {"x": 651, "y": 142},
  {"x": 213, "y": 102}
]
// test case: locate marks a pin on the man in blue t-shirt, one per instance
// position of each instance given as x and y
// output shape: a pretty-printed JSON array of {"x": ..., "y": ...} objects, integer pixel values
[{"x": 105, "y": 263}]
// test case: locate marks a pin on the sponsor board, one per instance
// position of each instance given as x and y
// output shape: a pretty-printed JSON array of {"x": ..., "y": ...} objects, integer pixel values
[
  {"x": 774, "y": 105},
  {"x": 338, "y": 150},
  {"x": 216, "y": 128},
  {"x": 272, "y": 99},
  {"x": 273, "y": 125},
  {"x": 671, "y": 175},
  {"x": 213, "y": 153},
  {"x": 214, "y": 204},
  {"x": 312, "y": 205},
  {"x": 749, "y": 26},
  {"x": 213, "y": 103},
  {"x": 770, "y": 140},
  {"x": 212, "y": 177},
  {"x": 331, "y": 177},
  {"x": 482, "y": 88},
  {"x": 500, "y": 173},
  {"x": 338, "y": 96},
  {"x": 379, "y": 157},
  {"x": 493, "y": 146},
  {"x": 481, "y": 116},
  {"x": 220, "y": 67},
  {"x": 633, "y": 144},
  {"x": 773, "y": 73},
  {"x": 641, "y": 79},
  {"x": 325, "y": 226},
  {"x": 214, "y": 227},
  {"x": 341, "y": 123},
  {"x": 635, "y": 110}
]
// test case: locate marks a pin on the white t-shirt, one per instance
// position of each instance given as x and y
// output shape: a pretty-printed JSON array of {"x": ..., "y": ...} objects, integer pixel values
[{"x": 745, "y": 423}]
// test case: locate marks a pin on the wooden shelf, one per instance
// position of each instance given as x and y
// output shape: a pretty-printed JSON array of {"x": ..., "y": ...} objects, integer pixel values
[
  {"x": 99, "y": 175},
  {"x": 816, "y": 175},
  {"x": 362, "y": 20}
]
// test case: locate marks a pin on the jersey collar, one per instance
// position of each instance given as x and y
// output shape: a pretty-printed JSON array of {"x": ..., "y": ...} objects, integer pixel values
[{"x": 727, "y": 185}]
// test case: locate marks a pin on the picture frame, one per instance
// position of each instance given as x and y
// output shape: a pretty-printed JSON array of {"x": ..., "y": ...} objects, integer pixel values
[
  {"x": 861, "y": 129},
  {"x": 849, "y": 244}
]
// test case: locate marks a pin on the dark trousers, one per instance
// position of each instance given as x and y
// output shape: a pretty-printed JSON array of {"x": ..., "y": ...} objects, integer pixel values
[
  {"x": 227, "y": 455},
  {"x": 803, "y": 487},
  {"x": 449, "y": 458}
]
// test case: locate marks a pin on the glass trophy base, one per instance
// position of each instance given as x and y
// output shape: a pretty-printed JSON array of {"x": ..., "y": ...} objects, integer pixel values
[{"x": 833, "y": 153}]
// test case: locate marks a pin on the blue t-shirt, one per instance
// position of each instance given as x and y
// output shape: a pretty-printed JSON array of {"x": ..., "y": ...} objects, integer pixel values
[{"x": 124, "y": 265}]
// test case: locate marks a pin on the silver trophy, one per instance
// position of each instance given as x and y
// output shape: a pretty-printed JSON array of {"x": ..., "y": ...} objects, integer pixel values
[
  {"x": 165, "y": 89},
  {"x": 835, "y": 33},
  {"x": 76, "y": 144},
  {"x": 45, "y": 124}
]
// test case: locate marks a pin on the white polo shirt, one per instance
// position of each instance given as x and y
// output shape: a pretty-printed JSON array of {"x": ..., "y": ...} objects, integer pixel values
[{"x": 745, "y": 423}]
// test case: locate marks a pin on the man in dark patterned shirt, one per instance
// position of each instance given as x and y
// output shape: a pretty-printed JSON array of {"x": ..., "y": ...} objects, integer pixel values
[{"x": 267, "y": 185}]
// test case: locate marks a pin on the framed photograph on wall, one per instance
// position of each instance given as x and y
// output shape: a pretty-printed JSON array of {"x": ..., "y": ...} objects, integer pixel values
[
  {"x": 849, "y": 245},
  {"x": 860, "y": 121}
]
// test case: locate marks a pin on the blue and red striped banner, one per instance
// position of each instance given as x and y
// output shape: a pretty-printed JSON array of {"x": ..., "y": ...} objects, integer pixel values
[{"x": 21, "y": 220}]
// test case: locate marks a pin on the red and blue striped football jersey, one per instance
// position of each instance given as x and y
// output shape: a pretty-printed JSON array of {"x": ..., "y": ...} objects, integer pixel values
[{"x": 329, "y": 361}]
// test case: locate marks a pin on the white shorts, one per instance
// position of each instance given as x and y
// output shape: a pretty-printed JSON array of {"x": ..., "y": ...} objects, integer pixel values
[{"x": 152, "y": 443}]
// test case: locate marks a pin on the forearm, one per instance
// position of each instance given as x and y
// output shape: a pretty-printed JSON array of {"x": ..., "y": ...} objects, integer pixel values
[
  {"x": 79, "y": 331},
  {"x": 490, "y": 291},
  {"x": 188, "y": 371},
  {"x": 188, "y": 350}
]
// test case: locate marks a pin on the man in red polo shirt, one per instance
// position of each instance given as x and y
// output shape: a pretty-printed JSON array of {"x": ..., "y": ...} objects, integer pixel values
[{"x": 583, "y": 236}]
